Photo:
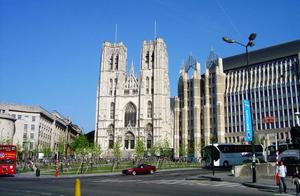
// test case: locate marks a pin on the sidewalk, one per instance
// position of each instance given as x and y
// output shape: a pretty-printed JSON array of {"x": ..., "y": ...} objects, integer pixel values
[{"x": 262, "y": 182}]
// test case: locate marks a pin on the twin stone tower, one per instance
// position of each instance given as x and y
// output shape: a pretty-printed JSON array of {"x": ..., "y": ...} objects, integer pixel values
[{"x": 131, "y": 107}]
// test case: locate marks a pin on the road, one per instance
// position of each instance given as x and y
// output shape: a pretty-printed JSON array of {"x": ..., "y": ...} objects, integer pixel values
[{"x": 161, "y": 183}]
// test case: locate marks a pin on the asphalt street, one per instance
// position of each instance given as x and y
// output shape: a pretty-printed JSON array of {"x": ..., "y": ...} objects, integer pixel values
[{"x": 161, "y": 183}]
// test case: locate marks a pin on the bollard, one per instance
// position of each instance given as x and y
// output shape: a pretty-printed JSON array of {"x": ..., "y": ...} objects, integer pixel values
[
  {"x": 37, "y": 172},
  {"x": 77, "y": 191}
]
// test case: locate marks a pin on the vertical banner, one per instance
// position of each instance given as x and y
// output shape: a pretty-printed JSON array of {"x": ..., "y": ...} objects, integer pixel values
[{"x": 247, "y": 121}]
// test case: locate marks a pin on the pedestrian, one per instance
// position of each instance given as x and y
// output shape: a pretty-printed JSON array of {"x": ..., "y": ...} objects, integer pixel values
[
  {"x": 296, "y": 180},
  {"x": 282, "y": 174}
]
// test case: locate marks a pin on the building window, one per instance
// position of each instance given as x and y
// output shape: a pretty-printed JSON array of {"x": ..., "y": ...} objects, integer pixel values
[
  {"x": 19, "y": 117},
  {"x": 152, "y": 85},
  {"x": 31, "y": 135},
  {"x": 111, "y": 141},
  {"x": 117, "y": 62},
  {"x": 149, "y": 131},
  {"x": 147, "y": 59},
  {"x": 149, "y": 109},
  {"x": 32, "y": 127},
  {"x": 33, "y": 118},
  {"x": 110, "y": 134},
  {"x": 129, "y": 141},
  {"x": 111, "y": 62},
  {"x": 147, "y": 85},
  {"x": 112, "y": 110},
  {"x": 130, "y": 115},
  {"x": 152, "y": 60},
  {"x": 110, "y": 86}
]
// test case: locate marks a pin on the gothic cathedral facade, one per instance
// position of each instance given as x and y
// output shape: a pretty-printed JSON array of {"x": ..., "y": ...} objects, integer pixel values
[{"x": 133, "y": 107}]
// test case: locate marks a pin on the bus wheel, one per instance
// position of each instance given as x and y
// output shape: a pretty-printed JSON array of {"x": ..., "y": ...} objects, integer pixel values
[{"x": 225, "y": 164}]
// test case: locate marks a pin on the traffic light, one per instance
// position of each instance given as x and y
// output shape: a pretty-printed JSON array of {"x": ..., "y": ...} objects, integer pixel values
[{"x": 295, "y": 135}]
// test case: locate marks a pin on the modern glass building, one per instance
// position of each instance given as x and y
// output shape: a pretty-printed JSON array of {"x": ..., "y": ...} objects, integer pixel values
[{"x": 209, "y": 107}]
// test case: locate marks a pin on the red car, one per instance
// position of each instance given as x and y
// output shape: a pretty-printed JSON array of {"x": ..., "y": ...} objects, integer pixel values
[{"x": 140, "y": 169}]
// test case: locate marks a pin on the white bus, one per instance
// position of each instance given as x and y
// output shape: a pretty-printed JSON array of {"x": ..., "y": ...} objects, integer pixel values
[{"x": 229, "y": 154}]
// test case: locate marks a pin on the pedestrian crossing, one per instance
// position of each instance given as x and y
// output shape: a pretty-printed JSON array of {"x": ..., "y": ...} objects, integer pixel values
[{"x": 173, "y": 182}]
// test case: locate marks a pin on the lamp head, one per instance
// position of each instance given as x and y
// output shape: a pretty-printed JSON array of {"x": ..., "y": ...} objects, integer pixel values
[
  {"x": 252, "y": 36},
  {"x": 228, "y": 40},
  {"x": 251, "y": 43}
]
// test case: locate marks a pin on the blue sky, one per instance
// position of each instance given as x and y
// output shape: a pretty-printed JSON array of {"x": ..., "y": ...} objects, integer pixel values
[{"x": 50, "y": 49}]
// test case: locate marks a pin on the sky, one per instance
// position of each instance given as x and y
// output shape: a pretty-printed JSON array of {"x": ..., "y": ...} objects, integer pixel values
[{"x": 50, "y": 49}]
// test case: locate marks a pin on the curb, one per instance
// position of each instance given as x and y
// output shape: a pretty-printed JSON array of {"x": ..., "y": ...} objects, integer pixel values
[{"x": 266, "y": 187}]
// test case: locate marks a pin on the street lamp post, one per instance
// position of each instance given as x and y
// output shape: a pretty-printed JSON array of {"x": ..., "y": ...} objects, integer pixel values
[{"x": 250, "y": 43}]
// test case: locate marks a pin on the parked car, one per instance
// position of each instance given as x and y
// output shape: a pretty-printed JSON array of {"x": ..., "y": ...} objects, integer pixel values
[{"x": 140, "y": 169}]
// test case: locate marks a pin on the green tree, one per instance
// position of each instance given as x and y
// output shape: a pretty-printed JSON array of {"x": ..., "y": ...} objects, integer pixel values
[
  {"x": 181, "y": 150},
  {"x": 116, "y": 153},
  {"x": 80, "y": 145},
  {"x": 46, "y": 151},
  {"x": 165, "y": 150},
  {"x": 155, "y": 150},
  {"x": 61, "y": 147},
  {"x": 95, "y": 151},
  {"x": 140, "y": 149}
]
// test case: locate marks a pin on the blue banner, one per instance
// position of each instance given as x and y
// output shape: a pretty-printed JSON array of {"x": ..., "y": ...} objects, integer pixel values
[{"x": 247, "y": 121}]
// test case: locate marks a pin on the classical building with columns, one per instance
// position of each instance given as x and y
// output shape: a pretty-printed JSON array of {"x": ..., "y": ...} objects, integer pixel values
[
  {"x": 209, "y": 107},
  {"x": 129, "y": 106}
]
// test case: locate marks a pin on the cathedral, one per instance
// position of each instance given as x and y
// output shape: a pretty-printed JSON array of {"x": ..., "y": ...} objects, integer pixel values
[{"x": 131, "y": 107}]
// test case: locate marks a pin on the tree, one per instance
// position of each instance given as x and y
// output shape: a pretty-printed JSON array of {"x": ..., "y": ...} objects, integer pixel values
[
  {"x": 80, "y": 145},
  {"x": 165, "y": 150},
  {"x": 46, "y": 151},
  {"x": 140, "y": 149},
  {"x": 181, "y": 150},
  {"x": 61, "y": 147},
  {"x": 95, "y": 150},
  {"x": 116, "y": 153}
]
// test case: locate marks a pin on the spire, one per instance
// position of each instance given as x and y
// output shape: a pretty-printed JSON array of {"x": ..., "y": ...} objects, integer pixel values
[
  {"x": 116, "y": 33},
  {"x": 155, "y": 29},
  {"x": 132, "y": 68},
  {"x": 212, "y": 59}
]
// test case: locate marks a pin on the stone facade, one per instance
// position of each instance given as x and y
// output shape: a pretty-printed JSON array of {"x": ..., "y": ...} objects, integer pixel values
[
  {"x": 36, "y": 128},
  {"x": 130, "y": 107},
  {"x": 7, "y": 128},
  {"x": 216, "y": 98}
]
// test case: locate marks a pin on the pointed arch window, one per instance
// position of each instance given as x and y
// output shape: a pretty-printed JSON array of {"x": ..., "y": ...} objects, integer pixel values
[
  {"x": 152, "y": 85},
  {"x": 111, "y": 62},
  {"x": 112, "y": 110},
  {"x": 110, "y": 86},
  {"x": 147, "y": 59},
  {"x": 117, "y": 62},
  {"x": 129, "y": 141},
  {"x": 147, "y": 85},
  {"x": 149, "y": 109},
  {"x": 130, "y": 115},
  {"x": 149, "y": 132},
  {"x": 110, "y": 136},
  {"x": 152, "y": 59}
]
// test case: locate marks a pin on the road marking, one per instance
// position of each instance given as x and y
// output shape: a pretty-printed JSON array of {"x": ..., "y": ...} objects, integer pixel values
[{"x": 172, "y": 182}]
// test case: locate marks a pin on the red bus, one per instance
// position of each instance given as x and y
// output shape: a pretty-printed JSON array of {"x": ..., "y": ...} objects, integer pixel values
[{"x": 8, "y": 159}]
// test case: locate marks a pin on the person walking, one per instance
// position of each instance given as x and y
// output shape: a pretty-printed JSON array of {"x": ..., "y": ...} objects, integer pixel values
[
  {"x": 296, "y": 180},
  {"x": 282, "y": 174}
]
